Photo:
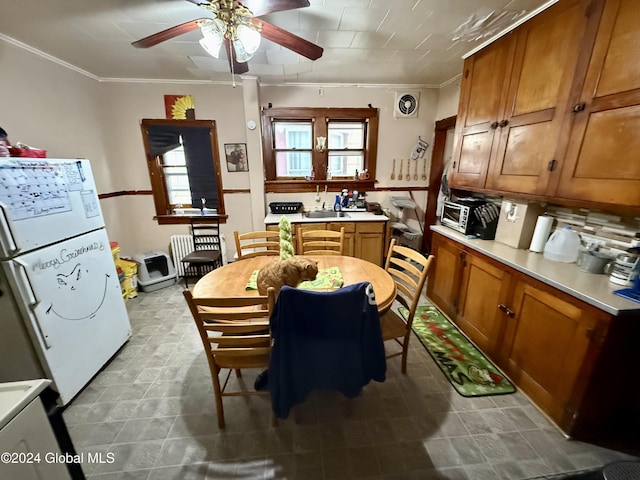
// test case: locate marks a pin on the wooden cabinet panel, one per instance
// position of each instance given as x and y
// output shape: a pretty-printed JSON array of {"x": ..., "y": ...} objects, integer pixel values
[
  {"x": 369, "y": 246},
  {"x": 444, "y": 282},
  {"x": 369, "y": 241},
  {"x": 484, "y": 81},
  {"x": 604, "y": 133},
  {"x": 545, "y": 346},
  {"x": 545, "y": 59},
  {"x": 484, "y": 287}
]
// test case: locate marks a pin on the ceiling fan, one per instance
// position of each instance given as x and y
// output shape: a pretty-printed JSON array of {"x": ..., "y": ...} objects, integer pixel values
[{"x": 235, "y": 25}]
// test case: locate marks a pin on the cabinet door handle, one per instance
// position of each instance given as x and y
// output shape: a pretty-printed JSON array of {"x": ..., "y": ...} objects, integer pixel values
[
  {"x": 579, "y": 107},
  {"x": 504, "y": 123},
  {"x": 463, "y": 258},
  {"x": 494, "y": 125},
  {"x": 507, "y": 310}
]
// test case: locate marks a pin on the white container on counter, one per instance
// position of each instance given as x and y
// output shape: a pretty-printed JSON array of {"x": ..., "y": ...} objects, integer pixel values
[{"x": 563, "y": 245}]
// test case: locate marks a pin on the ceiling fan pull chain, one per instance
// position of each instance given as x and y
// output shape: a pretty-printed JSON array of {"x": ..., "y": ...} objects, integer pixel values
[{"x": 233, "y": 76}]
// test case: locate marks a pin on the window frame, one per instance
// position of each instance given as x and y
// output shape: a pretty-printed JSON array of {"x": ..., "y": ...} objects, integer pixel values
[
  {"x": 163, "y": 207},
  {"x": 319, "y": 118}
]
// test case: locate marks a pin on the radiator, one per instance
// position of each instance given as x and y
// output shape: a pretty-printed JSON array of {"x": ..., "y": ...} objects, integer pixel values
[{"x": 182, "y": 245}]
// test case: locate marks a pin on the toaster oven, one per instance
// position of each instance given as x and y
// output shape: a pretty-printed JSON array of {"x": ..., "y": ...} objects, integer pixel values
[{"x": 459, "y": 215}]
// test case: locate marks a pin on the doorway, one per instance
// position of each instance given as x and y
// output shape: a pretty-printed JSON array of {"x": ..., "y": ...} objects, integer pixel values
[{"x": 442, "y": 150}]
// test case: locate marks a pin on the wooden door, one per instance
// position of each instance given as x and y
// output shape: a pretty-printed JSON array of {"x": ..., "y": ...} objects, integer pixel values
[
  {"x": 545, "y": 345},
  {"x": 444, "y": 280},
  {"x": 484, "y": 81},
  {"x": 484, "y": 287},
  {"x": 602, "y": 155},
  {"x": 546, "y": 54}
]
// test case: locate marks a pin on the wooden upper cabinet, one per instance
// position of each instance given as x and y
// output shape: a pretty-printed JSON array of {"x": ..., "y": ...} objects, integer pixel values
[
  {"x": 602, "y": 153},
  {"x": 484, "y": 80},
  {"x": 546, "y": 53}
]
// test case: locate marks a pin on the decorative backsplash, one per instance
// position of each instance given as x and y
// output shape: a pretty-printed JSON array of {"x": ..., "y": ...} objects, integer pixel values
[{"x": 608, "y": 231}]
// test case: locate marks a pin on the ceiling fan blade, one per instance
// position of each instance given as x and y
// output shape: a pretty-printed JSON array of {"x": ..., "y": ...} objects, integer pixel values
[
  {"x": 238, "y": 68},
  {"x": 289, "y": 40},
  {"x": 167, "y": 34},
  {"x": 263, "y": 7}
]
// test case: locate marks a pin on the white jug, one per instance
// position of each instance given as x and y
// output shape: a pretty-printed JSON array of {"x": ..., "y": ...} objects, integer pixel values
[{"x": 563, "y": 245}]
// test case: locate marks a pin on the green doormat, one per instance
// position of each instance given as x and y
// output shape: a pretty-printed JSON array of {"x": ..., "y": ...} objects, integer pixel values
[{"x": 468, "y": 370}]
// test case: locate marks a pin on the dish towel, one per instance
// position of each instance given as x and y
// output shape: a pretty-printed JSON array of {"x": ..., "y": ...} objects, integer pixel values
[{"x": 327, "y": 279}]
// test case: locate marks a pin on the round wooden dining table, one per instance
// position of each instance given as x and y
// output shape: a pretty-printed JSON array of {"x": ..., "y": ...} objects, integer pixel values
[{"x": 231, "y": 280}]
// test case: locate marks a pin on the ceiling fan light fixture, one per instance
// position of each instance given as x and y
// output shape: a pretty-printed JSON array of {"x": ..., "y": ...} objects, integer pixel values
[
  {"x": 211, "y": 45},
  {"x": 213, "y": 32},
  {"x": 247, "y": 41}
]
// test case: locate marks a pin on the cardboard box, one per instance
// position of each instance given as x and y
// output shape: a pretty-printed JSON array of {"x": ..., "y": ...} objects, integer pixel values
[{"x": 517, "y": 222}]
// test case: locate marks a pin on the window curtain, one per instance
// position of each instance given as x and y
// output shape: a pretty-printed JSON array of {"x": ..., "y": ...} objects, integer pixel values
[
  {"x": 199, "y": 157},
  {"x": 163, "y": 138},
  {"x": 200, "y": 168}
]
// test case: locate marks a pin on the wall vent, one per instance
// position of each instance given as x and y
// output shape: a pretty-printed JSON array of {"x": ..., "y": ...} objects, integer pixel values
[{"x": 406, "y": 105}]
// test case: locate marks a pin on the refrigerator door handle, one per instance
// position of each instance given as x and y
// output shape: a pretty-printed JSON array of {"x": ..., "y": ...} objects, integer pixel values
[
  {"x": 26, "y": 290},
  {"x": 7, "y": 242}
]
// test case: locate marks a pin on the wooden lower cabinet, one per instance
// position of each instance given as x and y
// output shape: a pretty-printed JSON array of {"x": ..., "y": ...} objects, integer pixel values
[
  {"x": 443, "y": 284},
  {"x": 484, "y": 287},
  {"x": 369, "y": 241},
  {"x": 549, "y": 347},
  {"x": 364, "y": 240},
  {"x": 548, "y": 343}
]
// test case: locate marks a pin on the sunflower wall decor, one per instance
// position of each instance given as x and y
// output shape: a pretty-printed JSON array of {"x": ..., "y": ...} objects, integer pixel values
[{"x": 179, "y": 107}]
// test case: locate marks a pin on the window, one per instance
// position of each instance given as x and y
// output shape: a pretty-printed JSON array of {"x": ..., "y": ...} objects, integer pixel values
[
  {"x": 346, "y": 147},
  {"x": 306, "y": 146},
  {"x": 292, "y": 141},
  {"x": 184, "y": 166},
  {"x": 176, "y": 179}
]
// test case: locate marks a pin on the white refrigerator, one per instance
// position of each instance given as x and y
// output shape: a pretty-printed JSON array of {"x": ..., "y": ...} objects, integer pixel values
[{"x": 62, "y": 315}]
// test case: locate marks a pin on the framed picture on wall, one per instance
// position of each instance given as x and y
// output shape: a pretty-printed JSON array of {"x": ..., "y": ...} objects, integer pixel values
[{"x": 236, "y": 154}]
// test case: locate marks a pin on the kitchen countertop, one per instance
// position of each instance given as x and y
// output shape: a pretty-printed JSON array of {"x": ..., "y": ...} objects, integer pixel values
[
  {"x": 594, "y": 289},
  {"x": 14, "y": 396},
  {"x": 274, "y": 218}
]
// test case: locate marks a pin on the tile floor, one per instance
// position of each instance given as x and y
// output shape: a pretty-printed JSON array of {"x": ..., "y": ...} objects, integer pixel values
[{"x": 153, "y": 409}]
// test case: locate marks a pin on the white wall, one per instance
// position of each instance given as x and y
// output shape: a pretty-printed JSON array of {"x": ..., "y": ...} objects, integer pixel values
[
  {"x": 448, "y": 100},
  {"x": 70, "y": 115}
]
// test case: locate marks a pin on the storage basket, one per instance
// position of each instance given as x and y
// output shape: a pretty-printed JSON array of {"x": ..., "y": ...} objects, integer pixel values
[{"x": 285, "y": 207}]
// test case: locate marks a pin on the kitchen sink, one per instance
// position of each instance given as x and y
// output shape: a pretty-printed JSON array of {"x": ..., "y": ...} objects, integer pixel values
[{"x": 325, "y": 214}]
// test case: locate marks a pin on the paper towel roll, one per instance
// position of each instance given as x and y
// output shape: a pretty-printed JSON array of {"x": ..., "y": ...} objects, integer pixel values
[{"x": 541, "y": 233}]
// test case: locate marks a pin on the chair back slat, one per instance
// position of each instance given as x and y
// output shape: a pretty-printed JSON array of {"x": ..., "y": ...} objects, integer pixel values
[
  {"x": 239, "y": 343},
  {"x": 320, "y": 242},
  {"x": 257, "y": 243}
]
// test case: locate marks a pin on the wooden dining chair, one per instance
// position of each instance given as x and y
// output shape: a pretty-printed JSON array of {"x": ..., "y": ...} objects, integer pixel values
[
  {"x": 235, "y": 335},
  {"x": 257, "y": 243},
  {"x": 409, "y": 270},
  {"x": 320, "y": 242},
  {"x": 207, "y": 253}
]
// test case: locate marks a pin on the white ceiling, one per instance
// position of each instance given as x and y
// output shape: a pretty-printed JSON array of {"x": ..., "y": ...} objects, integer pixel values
[{"x": 398, "y": 42}]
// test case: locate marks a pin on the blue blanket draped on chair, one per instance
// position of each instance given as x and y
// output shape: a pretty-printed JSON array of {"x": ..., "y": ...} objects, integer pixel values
[{"x": 328, "y": 340}]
